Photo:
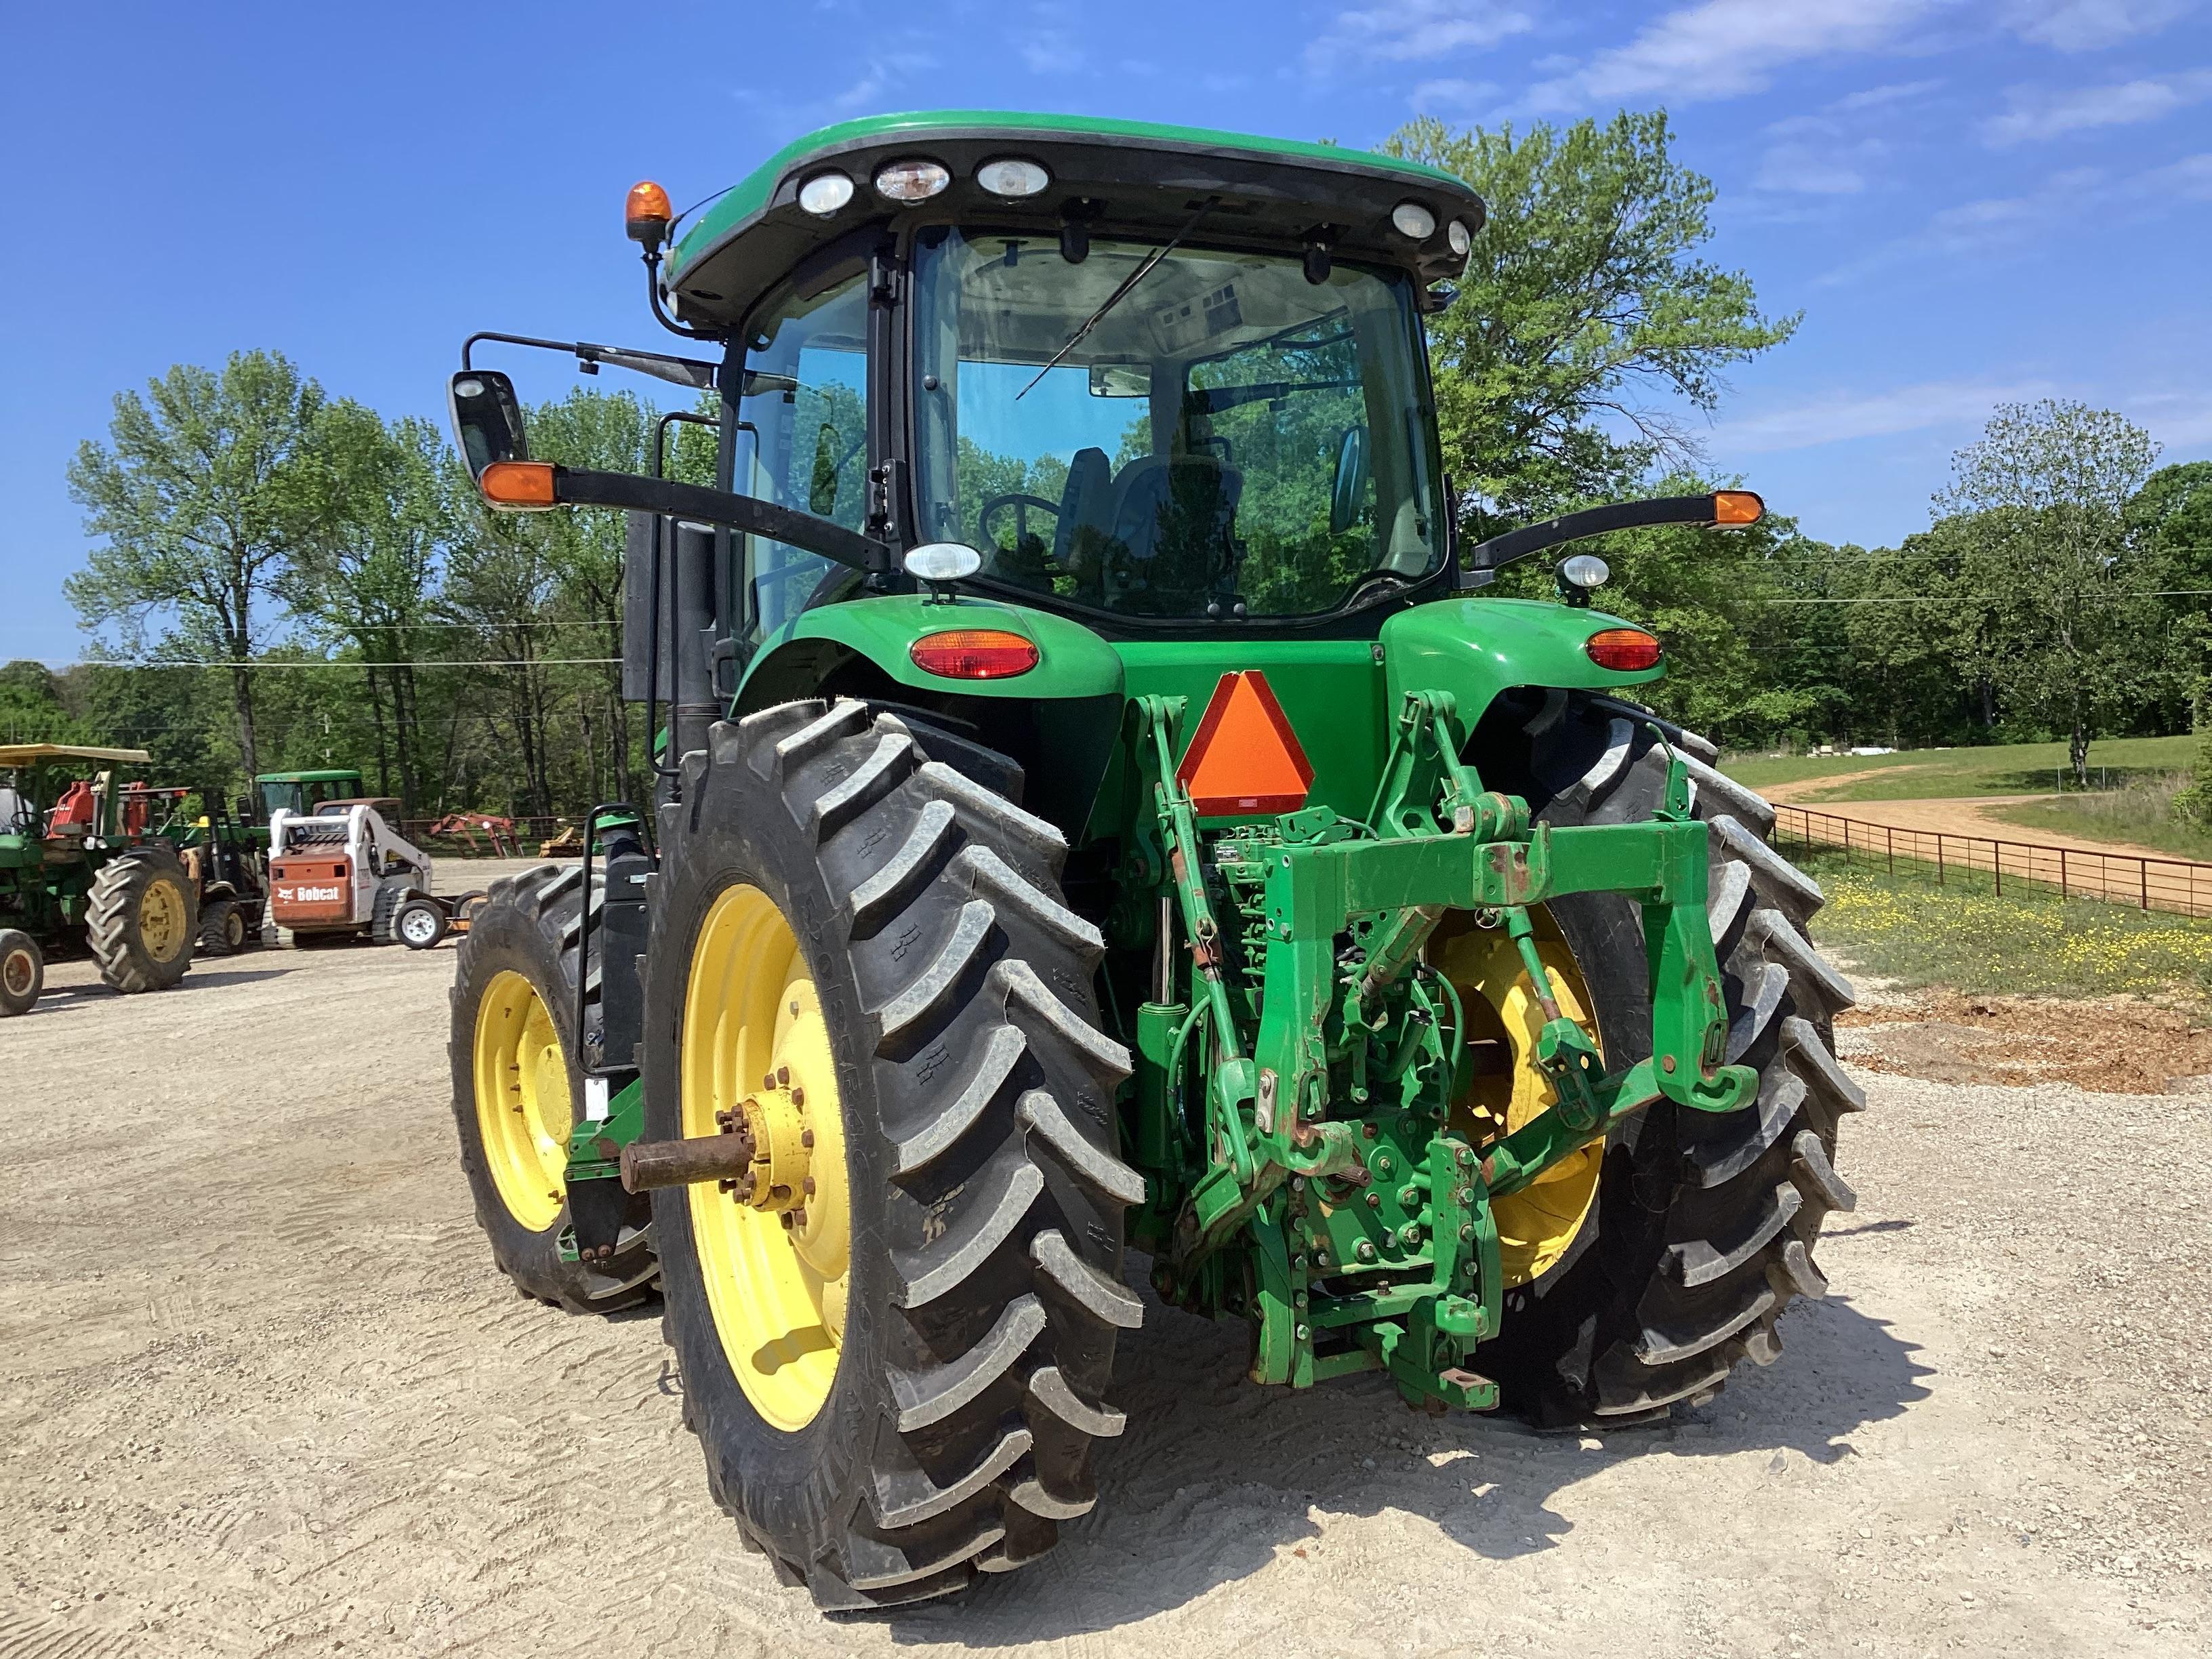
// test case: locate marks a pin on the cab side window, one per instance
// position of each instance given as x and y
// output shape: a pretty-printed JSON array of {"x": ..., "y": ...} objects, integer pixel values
[{"x": 805, "y": 399}]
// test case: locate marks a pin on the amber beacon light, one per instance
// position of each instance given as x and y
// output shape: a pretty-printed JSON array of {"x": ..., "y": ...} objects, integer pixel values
[{"x": 647, "y": 214}]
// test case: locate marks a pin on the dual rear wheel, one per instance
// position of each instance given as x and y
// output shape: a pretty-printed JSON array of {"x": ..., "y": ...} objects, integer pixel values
[{"x": 897, "y": 1330}]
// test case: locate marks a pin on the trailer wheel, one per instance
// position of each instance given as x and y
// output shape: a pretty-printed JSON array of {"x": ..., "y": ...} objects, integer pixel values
[
  {"x": 22, "y": 971},
  {"x": 895, "y": 1337},
  {"x": 517, "y": 1087},
  {"x": 421, "y": 924},
  {"x": 141, "y": 919},
  {"x": 1703, "y": 1225}
]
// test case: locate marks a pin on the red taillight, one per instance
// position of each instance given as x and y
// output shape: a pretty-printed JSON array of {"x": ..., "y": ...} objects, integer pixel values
[
  {"x": 974, "y": 653},
  {"x": 1624, "y": 650}
]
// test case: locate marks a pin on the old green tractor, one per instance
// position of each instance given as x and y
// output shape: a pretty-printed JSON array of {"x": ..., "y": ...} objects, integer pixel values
[
  {"x": 85, "y": 857},
  {"x": 1098, "y": 810}
]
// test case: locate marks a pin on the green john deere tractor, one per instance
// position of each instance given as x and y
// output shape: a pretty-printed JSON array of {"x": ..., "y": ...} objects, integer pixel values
[
  {"x": 1099, "y": 809},
  {"x": 85, "y": 857}
]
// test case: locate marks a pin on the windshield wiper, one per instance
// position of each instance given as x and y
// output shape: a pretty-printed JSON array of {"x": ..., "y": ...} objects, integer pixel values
[{"x": 1120, "y": 294}]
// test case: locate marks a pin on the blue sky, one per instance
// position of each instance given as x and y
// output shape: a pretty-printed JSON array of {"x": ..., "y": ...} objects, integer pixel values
[{"x": 1970, "y": 200}]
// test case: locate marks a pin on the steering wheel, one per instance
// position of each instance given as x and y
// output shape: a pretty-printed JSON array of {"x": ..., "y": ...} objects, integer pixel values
[{"x": 1021, "y": 504}]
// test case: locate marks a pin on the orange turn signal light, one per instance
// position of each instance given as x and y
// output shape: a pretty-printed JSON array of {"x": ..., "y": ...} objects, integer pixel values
[
  {"x": 518, "y": 486},
  {"x": 647, "y": 214},
  {"x": 1624, "y": 650},
  {"x": 1737, "y": 507},
  {"x": 974, "y": 653}
]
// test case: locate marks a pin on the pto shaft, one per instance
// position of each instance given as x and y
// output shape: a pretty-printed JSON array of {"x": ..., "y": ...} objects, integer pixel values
[{"x": 646, "y": 1165}]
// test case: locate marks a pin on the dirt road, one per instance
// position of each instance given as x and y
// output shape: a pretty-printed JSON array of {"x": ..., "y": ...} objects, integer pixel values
[{"x": 263, "y": 1393}]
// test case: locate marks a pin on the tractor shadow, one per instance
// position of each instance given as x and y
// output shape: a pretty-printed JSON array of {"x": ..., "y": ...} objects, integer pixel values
[{"x": 1216, "y": 1478}]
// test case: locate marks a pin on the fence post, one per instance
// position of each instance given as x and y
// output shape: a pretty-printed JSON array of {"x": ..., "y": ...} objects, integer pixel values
[
  {"x": 1889, "y": 837},
  {"x": 2142, "y": 869},
  {"x": 1997, "y": 864},
  {"x": 2062, "y": 872},
  {"x": 1939, "y": 858}
]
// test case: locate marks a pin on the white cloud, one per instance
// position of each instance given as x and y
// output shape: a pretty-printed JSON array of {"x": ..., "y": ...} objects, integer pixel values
[
  {"x": 1839, "y": 415},
  {"x": 2189, "y": 179},
  {"x": 1410, "y": 30},
  {"x": 2086, "y": 25},
  {"x": 1431, "y": 96},
  {"x": 2080, "y": 200},
  {"x": 2035, "y": 113},
  {"x": 2179, "y": 420},
  {"x": 1815, "y": 169},
  {"x": 1897, "y": 92},
  {"x": 1722, "y": 47}
]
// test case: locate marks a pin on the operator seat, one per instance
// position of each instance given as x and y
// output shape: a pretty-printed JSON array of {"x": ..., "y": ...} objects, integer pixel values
[
  {"x": 1086, "y": 507},
  {"x": 74, "y": 811},
  {"x": 1174, "y": 525}
]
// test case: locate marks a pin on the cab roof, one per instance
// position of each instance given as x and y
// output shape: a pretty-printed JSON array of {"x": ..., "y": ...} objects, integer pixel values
[
  {"x": 341, "y": 775},
  {"x": 33, "y": 754},
  {"x": 1130, "y": 177}
]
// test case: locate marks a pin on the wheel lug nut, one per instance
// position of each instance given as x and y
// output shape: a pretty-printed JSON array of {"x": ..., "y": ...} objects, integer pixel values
[
  {"x": 1366, "y": 1250},
  {"x": 794, "y": 1009},
  {"x": 1374, "y": 1201},
  {"x": 806, "y": 1186},
  {"x": 799, "y": 1217},
  {"x": 768, "y": 1081},
  {"x": 797, "y": 1096},
  {"x": 783, "y": 1076},
  {"x": 806, "y": 1137}
]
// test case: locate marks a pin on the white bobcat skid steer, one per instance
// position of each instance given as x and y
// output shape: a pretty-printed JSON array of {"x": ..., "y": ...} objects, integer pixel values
[{"x": 341, "y": 871}]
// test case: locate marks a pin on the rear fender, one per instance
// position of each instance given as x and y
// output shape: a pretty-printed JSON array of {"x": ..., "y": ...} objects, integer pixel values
[
  {"x": 1475, "y": 648},
  {"x": 1057, "y": 722}
]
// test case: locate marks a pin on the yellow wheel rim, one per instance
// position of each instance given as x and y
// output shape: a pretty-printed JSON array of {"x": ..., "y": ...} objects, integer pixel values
[
  {"x": 1536, "y": 1225},
  {"x": 161, "y": 918},
  {"x": 774, "y": 1252},
  {"x": 524, "y": 1111}
]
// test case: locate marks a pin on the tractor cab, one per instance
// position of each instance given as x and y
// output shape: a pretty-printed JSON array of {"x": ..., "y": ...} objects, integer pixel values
[
  {"x": 304, "y": 793},
  {"x": 1096, "y": 805}
]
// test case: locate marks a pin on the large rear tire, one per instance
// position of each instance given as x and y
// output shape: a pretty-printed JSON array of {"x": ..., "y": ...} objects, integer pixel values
[
  {"x": 1705, "y": 1225},
  {"x": 517, "y": 1088},
  {"x": 901, "y": 932},
  {"x": 141, "y": 918}
]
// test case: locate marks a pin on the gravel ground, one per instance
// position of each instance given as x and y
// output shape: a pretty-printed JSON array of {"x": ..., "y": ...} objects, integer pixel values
[{"x": 264, "y": 1395}]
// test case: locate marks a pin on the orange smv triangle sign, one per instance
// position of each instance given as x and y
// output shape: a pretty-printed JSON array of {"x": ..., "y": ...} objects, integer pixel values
[{"x": 1244, "y": 758}]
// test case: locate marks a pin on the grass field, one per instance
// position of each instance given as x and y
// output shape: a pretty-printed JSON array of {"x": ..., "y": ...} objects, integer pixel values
[
  {"x": 2142, "y": 813},
  {"x": 1933, "y": 773},
  {"x": 1906, "y": 928}
]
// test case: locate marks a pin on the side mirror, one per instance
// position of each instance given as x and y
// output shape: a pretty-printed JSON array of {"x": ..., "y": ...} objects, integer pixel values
[
  {"x": 1349, "y": 485},
  {"x": 486, "y": 419}
]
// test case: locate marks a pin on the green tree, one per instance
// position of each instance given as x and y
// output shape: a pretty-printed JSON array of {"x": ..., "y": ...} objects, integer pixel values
[
  {"x": 1585, "y": 311},
  {"x": 194, "y": 495},
  {"x": 373, "y": 515},
  {"x": 2039, "y": 505}
]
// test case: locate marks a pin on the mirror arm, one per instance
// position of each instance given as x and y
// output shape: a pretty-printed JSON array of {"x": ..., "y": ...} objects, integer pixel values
[
  {"x": 661, "y": 314},
  {"x": 693, "y": 371},
  {"x": 1484, "y": 557},
  {"x": 804, "y": 530}
]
